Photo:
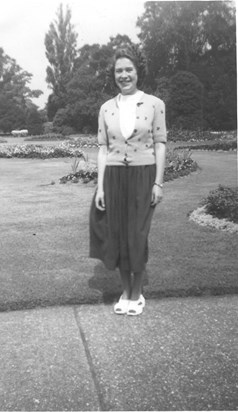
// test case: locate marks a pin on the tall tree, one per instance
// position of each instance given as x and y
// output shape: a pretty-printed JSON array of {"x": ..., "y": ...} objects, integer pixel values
[
  {"x": 61, "y": 51},
  {"x": 15, "y": 94}
]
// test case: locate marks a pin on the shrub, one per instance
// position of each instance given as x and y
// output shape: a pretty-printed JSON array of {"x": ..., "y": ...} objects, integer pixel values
[
  {"x": 223, "y": 203},
  {"x": 67, "y": 130}
]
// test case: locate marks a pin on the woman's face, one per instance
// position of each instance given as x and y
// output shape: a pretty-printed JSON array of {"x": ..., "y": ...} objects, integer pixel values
[{"x": 126, "y": 76}]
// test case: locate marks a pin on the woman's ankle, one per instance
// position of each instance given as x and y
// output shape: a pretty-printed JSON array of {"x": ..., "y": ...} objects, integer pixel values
[
  {"x": 135, "y": 295},
  {"x": 126, "y": 294}
]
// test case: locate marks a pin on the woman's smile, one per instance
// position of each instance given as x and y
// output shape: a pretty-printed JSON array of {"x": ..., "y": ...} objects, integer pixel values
[{"x": 125, "y": 83}]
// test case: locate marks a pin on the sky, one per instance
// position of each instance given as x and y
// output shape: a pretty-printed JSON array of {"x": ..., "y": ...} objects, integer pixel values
[{"x": 24, "y": 23}]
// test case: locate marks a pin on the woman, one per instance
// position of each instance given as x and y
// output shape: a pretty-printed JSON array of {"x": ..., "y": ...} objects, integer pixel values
[{"x": 131, "y": 160}]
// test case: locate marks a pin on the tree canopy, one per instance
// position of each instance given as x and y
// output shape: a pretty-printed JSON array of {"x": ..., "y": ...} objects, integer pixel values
[
  {"x": 190, "y": 47},
  {"x": 198, "y": 37},
  {"x": 15, "y": 94}
]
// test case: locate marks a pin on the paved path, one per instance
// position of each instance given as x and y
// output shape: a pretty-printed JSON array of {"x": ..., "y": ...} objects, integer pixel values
[{"x": 180, "y": 354}]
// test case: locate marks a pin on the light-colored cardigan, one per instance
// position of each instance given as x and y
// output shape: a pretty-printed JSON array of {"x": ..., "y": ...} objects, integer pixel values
[{"x": 150, "y": 128}]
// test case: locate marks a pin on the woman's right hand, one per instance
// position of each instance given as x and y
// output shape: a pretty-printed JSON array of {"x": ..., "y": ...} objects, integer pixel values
[{"x": 99, "y": 200}]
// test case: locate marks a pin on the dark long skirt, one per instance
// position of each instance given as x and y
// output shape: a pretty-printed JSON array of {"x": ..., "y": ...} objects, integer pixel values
[{"x": 119, "y": 235}]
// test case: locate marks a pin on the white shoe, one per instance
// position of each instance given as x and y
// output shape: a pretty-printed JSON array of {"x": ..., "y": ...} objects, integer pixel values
[
  {"x": 120, "y": 308},
  {"x": 136, "y": 307}
]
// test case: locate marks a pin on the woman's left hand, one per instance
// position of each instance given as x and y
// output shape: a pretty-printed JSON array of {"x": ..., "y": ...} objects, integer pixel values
[{"x": 157, "y": 195}]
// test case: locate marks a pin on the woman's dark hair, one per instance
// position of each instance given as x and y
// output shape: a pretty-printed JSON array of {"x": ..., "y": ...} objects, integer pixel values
[{"x": 133, "y": 53}]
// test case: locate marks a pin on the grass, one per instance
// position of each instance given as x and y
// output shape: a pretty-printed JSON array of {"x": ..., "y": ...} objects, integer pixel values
[
  {"x": 193, "y": 260},
  {"x": 44, "y": 238}
]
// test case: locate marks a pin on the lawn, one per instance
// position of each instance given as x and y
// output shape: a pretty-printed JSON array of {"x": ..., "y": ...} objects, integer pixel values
[{"x": 44, "y": 237}]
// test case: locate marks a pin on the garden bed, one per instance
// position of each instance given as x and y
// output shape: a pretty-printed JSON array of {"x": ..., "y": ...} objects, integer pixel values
[
  {"x": 219, "y": 209},
  {"x": 211, "y": 145},
  {"x": 176, "y": 135},
  {"x": 45, "y": 137},
  {"x": 80, "y": 139},
  {"x": 202, "y": 218},
  {"x": 178, "y": 163},
  {"x": 32, "y": 151}
]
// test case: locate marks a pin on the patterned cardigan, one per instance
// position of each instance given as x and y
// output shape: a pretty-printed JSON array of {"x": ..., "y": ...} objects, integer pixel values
[{"x": 150, "y": 128}]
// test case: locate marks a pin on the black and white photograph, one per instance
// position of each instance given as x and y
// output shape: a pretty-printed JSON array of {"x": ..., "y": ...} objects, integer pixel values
[{"x": 119, "y": 205}]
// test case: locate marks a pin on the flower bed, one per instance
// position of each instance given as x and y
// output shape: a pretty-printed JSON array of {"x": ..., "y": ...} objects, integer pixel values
[
  {"x": 44, "y": 137},
  {"x": 215, "y": 145},
  {"x": 219, "y": 210},
  {"x": 178, "y": 163},
  {"x": 202, "y": 218},
  {"x": 40, "y": 152},
  {"x": 179, "y": 135},
  {"x": 78, "y": 140},
  {"x": 84, "y": 141},
  {"x": 223, "y": 203}
]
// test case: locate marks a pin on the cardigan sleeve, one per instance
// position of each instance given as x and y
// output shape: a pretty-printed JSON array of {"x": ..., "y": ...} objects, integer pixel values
[
  {"x": 102, "y": 129},
  {"x": 159, "y": 124}
]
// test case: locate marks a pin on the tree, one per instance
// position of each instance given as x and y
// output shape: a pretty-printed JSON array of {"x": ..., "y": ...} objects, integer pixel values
[
  {"x": 217, "y": 66},
  {"x": 170, "y": 35},
  {"x": 61, "y": 51},
  {"x": 15, "y": 94},
  {"x": 185, "y": 105},
  {"x": 197, "y": 37},
  {"x": 35, "y": 120}
]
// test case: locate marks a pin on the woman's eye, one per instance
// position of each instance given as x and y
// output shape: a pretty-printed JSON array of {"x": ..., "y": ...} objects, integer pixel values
[{"x": 128, "y": 70}]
